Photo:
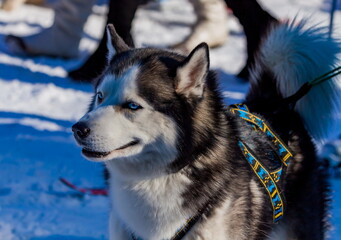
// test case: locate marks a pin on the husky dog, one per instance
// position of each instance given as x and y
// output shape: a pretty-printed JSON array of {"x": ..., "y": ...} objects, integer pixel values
[{"x": 159, "y": 124}]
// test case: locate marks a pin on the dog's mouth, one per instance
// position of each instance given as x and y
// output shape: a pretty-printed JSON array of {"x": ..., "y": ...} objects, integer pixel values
[{"x": 93, "y": 154}]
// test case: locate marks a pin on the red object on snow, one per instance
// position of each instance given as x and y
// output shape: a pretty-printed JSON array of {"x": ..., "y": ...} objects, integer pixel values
[{"x": 91, "y": 191}]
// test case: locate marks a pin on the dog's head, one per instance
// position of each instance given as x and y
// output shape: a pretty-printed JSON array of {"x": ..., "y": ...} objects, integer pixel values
[{"x": 140, "y": 116}]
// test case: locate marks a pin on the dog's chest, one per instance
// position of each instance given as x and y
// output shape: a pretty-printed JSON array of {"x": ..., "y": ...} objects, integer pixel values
[{"x": 150, "y": 209}]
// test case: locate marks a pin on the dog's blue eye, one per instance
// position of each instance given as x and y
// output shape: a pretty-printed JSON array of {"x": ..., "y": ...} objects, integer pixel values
[
  {"x": 132, "y": 106},
  {"x": 99, "y": 97}
]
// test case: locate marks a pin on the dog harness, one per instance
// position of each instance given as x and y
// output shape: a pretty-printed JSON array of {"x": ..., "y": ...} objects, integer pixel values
[
  {"x": 186, "y": 227},
  {"x": 269, "y": 179}
]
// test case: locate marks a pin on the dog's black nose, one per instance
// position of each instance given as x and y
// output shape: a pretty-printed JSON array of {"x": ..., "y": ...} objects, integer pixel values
[{"x": 81, "y": 130}]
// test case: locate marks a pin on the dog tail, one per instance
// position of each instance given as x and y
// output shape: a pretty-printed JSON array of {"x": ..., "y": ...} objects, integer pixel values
[{"x": 290, "y": 56}]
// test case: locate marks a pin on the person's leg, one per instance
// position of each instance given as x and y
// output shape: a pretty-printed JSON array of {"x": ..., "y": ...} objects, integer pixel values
[
  {"x": 211, "y": 25},
  {"x": 255, "y": 21},
  {"x": 62, "y": 38},
  {"x": 121, "y": 14}
]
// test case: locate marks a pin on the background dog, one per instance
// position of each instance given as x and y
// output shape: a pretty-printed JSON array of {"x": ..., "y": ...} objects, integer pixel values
[{"x": 158, "y": 122}]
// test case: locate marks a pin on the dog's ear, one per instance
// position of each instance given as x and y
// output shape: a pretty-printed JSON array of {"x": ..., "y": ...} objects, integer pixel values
[
  {"x": 191, "y": 74},
  {"x": 115, "y": 43}
]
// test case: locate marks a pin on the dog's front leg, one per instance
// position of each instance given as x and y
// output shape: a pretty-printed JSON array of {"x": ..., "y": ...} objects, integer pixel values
[{"x": 117, "y": 230}]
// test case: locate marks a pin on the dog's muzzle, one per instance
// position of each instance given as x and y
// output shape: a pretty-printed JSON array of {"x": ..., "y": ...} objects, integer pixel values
[{"x": 81, "y": 132}]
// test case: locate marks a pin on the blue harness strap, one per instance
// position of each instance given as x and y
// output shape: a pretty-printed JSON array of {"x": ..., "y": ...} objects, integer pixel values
[
  {"x": 269, "y": 180},
  {"x": 242, "y": 111}
]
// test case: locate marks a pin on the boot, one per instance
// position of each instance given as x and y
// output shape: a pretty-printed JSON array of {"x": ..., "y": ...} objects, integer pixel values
[
  {"x": 121, "y": 14},
  {"x": 62, "y": 38},
  {"x": 211, "y": 25},
  {"x": 256, "y": 22}
]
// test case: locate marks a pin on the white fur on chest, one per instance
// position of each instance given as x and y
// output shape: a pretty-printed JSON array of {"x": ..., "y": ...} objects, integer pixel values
[
  {"x": 215, "y": 227},
  {"x": 280, "y": 232},
  {"x": 150, "y": 208}
]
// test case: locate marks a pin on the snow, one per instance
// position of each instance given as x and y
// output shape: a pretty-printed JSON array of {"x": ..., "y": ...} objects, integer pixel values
[
  {"x": 41, "y": 98},
  {"x": 39, "y": 104}
]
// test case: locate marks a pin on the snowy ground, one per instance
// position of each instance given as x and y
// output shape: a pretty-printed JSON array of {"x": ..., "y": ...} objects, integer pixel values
[{"x": 38, "y": 104}]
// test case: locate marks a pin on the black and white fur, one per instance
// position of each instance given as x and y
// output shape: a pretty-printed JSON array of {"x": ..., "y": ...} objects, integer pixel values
[{"x": 159, "y": 124}]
